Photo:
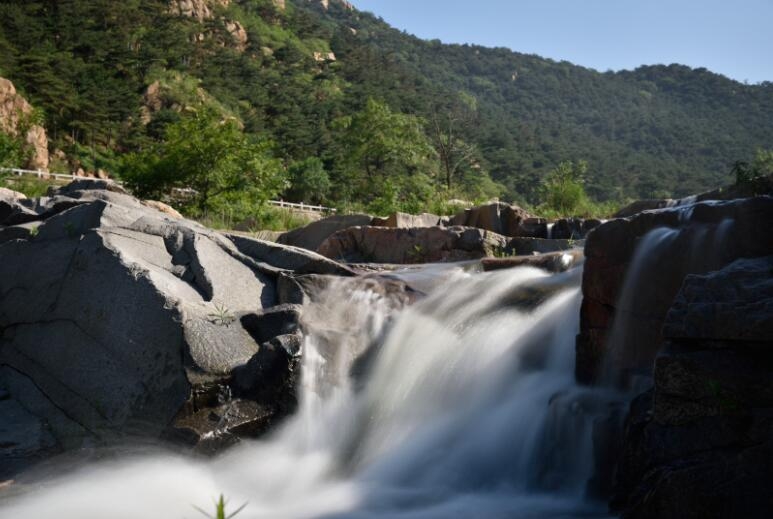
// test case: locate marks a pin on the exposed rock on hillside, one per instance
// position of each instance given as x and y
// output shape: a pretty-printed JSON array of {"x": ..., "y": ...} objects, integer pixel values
[
  {"x": 15, "y": 112},
  {"x": 701, "y": 443},
  {"x": 199, "y": 9}
]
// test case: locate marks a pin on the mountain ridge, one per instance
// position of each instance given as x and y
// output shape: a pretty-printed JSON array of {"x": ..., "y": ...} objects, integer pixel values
[{"x": 653, "y": 131}]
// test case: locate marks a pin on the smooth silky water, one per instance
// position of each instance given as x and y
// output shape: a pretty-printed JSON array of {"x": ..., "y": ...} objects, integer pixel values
[{"x": 467, "y": 407}]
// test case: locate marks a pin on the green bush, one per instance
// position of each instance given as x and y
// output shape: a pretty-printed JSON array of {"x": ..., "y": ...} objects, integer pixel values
[{"x": 224, "y": 167}]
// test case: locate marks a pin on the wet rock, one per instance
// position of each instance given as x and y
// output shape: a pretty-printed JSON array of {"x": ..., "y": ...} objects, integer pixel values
[
  {"x": 552, "y": 261},
  {"x": 527, "y": 246},
  {"x": 700, "y": 444},
  {"x": 417, "y": 245},
  {"x": 312, "y": 236},
  {"x": 694, "y": 239}
]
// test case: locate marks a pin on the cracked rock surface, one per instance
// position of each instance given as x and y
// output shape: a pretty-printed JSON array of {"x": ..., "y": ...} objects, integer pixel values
[{"x": 118, "y": 321}]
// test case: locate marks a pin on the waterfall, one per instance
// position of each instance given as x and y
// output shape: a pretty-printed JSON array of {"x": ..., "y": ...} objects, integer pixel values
[
  {"x": 462, "y": 405},
  {"x": 662, "y": 259}
]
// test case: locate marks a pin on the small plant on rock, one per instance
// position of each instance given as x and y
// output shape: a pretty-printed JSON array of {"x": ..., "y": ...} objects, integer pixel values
[{"x": 222, "y": 316}]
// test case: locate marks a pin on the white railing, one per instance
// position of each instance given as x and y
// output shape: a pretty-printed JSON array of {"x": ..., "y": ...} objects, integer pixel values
[
  {"x": 43, "y": 174},
  {"x": 302, "y": 207},
  {"x": 179, "y": 191}
]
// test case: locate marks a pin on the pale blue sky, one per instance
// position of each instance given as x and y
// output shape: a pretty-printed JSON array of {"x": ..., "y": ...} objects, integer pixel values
[{"x": 732, "y": 37}]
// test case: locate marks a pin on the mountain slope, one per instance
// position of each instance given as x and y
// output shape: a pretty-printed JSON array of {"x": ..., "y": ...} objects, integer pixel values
[{"x": 110, "y": 76}]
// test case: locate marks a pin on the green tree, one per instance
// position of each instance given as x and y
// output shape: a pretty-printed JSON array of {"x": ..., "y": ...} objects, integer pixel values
[
  {"x": 448, "y": 123},
  {"x": 379, "y": 145},
  {"x": 564, "y": 191},
  {"x": 11, "y": 151},
  {"x": 211, "y": 156},
  {"x": 309, "y": 182}
]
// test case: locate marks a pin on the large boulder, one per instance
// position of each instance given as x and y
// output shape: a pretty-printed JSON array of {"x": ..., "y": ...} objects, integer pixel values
[
  {"x": 408, "y": 221},
  {"x": 118, "y": 321},
  {"x": 496, "y": 217},
  {"x": 635, "y": 267},
  {"x": 311, "y": 236},
  {"x": 700, "y": 444},
  {"x": 417, "y": 245}
]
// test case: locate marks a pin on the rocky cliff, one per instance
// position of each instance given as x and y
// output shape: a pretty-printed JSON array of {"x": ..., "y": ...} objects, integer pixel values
[{"x": 15, "y": 118}]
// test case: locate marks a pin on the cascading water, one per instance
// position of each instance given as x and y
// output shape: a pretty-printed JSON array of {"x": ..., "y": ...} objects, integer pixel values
[{"x": 466, "y": 407}]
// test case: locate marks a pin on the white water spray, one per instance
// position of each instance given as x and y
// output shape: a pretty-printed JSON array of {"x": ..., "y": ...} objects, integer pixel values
[{"x": 467, "y": 408}]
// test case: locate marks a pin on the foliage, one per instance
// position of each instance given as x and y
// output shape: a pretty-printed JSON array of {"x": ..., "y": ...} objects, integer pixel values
[
  {"x": 264, "y": 218},
  {"x": 564, "y": 191},
  {"x": 309, "y": 182},
  {"x": 383, "y": 157},
  {"x": 754, "y": 178},
  {"x": 11, "y": 151},
  {"x": 29, "y": 186},
  {"x": 213, "y": 157},
  {"x": 395, "y": 120}
]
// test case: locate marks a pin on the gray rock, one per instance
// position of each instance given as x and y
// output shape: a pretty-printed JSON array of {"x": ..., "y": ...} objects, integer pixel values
[
  {"x": 312, "y": 236},
  {"x": 117, "y": 320},
  {"x": 407, "y": 221},
  {"x": 299, "y": 260},
  {"x": 735, "y": 303}
]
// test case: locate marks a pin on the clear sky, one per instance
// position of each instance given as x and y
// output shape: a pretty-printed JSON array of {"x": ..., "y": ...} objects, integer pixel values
[{"x": 732, "y": 37}]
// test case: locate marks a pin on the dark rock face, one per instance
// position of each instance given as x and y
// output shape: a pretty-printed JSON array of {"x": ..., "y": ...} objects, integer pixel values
[
  {"x": 311, "y": 236},
  {"x": 417, "y": 245},
  {"x": 700, "y": 444},
  {"x": 116, "y": 321},
  {"x": 757, "y": 187},
  {"x": 672, "y": 243}
]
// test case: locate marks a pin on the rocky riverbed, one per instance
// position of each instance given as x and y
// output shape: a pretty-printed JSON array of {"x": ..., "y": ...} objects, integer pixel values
[{"x": 122, "y": 323}]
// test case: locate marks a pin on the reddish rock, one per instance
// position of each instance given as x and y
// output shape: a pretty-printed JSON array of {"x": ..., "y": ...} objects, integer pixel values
[{"x": 417, "y": 245}]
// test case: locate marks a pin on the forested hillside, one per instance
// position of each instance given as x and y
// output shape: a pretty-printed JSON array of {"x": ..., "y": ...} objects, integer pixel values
[{"x": 348, "y": 109}]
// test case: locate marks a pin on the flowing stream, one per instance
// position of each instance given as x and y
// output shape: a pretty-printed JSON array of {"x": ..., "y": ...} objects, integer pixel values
[{"x": 462, "y": 405}]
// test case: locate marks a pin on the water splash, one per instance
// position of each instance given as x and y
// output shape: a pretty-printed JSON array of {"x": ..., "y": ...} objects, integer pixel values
[{"x": 468, "y": 407}]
